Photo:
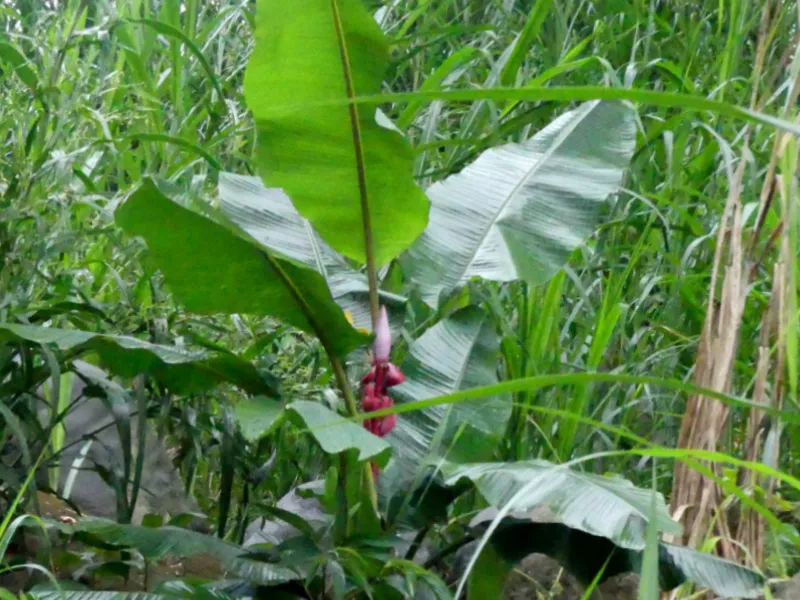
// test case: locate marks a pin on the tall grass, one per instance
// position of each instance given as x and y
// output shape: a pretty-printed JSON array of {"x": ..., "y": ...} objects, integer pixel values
[{"x": 96, "y": 95}]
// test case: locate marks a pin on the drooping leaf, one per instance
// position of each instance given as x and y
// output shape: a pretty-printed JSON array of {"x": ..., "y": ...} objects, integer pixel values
[
  {"x": 725, "y": 578},
  {"x": 270, "y": 218},
  {"x": 54, "y": 594},
  {"x": 456, "y": 354},
  {"x": 182, "y": 370},
  {"x": 165, "y": 590},
  {"x": 336, "y": 434},
  {"x": 584, "y": 555},
  {"x": 609, "y": 507},
  {"x": 157, "y": 543},
  {"x": 648, "y": 573},
  {"x": 336, "y": 161},
  {"x": 258, "y": 416},
  {"x": 211, "y": 269},
  {"x": 519, "y": 210}
]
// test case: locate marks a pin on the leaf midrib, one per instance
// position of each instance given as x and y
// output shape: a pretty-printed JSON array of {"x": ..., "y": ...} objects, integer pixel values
[
  {"x": 355, "y": 128},
  {"x": 557, "y": 143}
]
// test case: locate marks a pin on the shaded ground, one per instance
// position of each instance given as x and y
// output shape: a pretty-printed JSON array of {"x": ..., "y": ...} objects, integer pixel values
[{"x": 540, "y": 577}]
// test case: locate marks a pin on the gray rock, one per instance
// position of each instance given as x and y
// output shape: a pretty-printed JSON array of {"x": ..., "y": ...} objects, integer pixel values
[
  {"x": 266, "y": 531},
  {"x": 788, "y": 589},
  {"x": 92, "y": 441}
]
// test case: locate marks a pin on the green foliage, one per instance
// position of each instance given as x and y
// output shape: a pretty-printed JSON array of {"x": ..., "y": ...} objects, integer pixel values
[
  {"x": 358, "y": 162},
  {"x": 609, "y": 507},
  {"x": 258, "y": 416},
  {"x": 336, "y": 434},
  {"x": 268, "y": 216},
  {"x": 182, "y": 370},
  {"x": 228, "y": 274},
  {"x": 174, "y": 541},
  {"x": 620, "y": 200},
  {"x": 457, "y": 353},
  {"x": 519, "y": 211}
]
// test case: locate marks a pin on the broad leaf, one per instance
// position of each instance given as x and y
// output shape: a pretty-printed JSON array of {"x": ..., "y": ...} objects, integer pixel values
[
  {"x": 336, "y": 434},
  {"x": 455, "y": 354},
  {"x": 584, "y": 555},
  {"x": 334, "y": 162},
  {"x": 609, "y": 507},
  {"x": 725, "y": 578},
  {"x": 166, "y": 590},
  {"x": 157, "y": 543},
  {"x": 211, "y": 269},
  {"x": 519, "y": 210},
  {"x": 270, "y": 218},
  {"x": 488, "y": 579},
  {"x": 258, "y": 416},
  {"x": 182, "y": 370}
]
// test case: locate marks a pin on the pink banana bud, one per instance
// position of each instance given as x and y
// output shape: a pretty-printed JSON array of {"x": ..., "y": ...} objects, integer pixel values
[
  {"x": 383, "y": 337},
  {"x": 381, "y": 376}
]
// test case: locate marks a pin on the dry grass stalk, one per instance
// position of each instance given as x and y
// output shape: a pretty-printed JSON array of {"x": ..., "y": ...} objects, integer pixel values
[
  {"x": 698, "y": 502},
  {"x": 693, "y": 495}
]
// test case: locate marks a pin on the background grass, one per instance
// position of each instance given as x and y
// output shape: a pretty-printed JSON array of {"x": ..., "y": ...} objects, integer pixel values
[{"x": 96, "y": 95}]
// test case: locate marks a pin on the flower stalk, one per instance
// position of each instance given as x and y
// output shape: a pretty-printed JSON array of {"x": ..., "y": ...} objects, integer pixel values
[{"x": 382, "y": 375}]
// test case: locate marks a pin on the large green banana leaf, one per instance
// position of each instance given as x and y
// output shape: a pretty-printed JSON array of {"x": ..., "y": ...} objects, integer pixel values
[
  {"x": 519, "y": 210},
  {"x": 182, "y": 370},
  {"x": 213, "y": 269},
  {"x": 589, "y": 523},
  {"x": 269, "y": 217},
  {"x": 610, "y": 507},
  {"x": 457, "y": 353},
  {"x": 342, "y": 165}
]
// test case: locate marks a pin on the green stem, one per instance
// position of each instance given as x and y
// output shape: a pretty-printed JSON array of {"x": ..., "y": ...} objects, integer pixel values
[
  {"x": 372, "y": 271},
  {"x": 352, "y": 409},
  {"x": 336, "y": 363}
]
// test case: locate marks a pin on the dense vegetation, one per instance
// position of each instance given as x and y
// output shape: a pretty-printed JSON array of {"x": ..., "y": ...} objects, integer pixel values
[{"x": 559, "y": 264}]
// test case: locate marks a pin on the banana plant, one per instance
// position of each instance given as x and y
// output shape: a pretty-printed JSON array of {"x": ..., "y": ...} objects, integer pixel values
[{"x": 335, "y": 203}]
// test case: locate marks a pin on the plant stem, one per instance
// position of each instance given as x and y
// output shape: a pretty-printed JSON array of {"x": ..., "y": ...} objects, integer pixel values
[
  {"x": 447, "y": 551},
  {"x": 352, "y": 409},
  {"x": 416, "y": 543},
  {"x": 361, "y": 170}
]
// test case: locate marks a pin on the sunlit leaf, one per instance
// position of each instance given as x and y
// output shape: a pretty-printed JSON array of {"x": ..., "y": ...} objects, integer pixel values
[
  {"x": 333, "y": 162},
  {"x": 211, "y": 269},
  {"x": 519, "y": 210},
  {"x": 336, "y": 434}
]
